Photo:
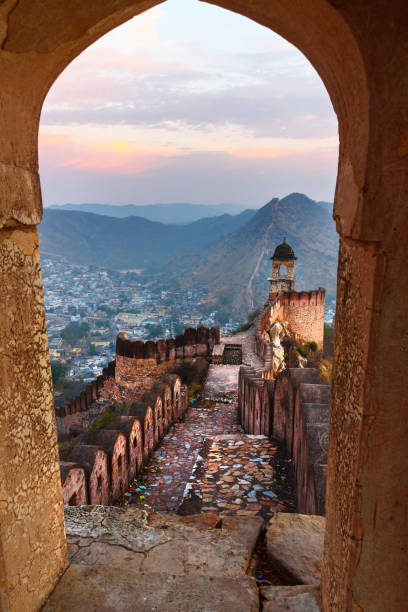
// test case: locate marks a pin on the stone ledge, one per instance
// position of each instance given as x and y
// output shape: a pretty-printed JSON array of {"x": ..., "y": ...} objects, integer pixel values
[{"x": 112, "y": 589}]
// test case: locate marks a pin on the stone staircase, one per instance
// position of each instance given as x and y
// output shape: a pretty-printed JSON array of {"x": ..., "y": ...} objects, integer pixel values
[{"x": 125, "y": 559}]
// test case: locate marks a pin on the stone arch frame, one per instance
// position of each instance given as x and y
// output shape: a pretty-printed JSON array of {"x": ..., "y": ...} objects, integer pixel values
[{"x": 360, "y": 53}]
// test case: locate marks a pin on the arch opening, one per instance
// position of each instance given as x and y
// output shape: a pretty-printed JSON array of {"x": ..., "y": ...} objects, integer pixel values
[{"x": 53, "y": 45}]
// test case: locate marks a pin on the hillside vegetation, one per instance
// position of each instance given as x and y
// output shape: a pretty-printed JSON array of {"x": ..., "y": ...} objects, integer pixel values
[
  {"x": 235, "y": 268},
  {"x": 229, "y": 255}
]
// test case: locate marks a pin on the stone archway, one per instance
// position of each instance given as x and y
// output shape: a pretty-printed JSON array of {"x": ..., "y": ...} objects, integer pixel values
[{"x": 360, "y": 51}]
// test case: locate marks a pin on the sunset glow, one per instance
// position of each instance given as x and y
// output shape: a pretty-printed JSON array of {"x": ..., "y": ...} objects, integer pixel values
[{"x": 158, "y": 111}]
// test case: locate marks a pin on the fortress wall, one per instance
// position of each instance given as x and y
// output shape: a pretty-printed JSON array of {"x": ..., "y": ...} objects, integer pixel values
[
  {"x": 76, "y": 413},
  {"x": 74, "y": 489},
  {"x": 138, "y": 363},
  {"x": 294, "y": 410},
  {"x": 119, "y": 453},
  {"x": 304, "y": 313}
]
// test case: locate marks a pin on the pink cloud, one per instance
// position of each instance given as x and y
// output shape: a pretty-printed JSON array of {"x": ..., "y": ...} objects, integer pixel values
[
  {"x": 119, "y": 156},
  {"x": 114, "y": 77}
]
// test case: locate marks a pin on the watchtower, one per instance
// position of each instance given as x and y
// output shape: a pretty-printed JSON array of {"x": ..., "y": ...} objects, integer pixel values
[{"x": 283, "y": 256}]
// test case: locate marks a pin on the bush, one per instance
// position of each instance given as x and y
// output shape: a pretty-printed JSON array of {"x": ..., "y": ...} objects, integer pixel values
[
  {"x": 302, "y": 350},
  {"x": 312, "y": 345},
  {"x": 193, "y": 375},
  {"x": 248, "y": 323}
]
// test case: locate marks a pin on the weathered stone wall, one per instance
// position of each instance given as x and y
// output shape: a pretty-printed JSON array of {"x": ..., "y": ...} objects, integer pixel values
[
  {"x": 31, "y": 508},
  {"x": 302, "y": 311},
  {"x": 294, "y": 410},
  {"x": 139, "y": 363},
  {"x": 116, "y": 454},
  {"x": 77, "y": 412}
]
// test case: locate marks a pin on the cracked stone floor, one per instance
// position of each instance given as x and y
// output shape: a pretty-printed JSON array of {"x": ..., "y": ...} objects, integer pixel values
[{"x": 207, "y": 464}]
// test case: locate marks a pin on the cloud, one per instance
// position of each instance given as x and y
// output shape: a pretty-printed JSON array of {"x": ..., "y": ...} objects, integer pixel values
[
  {"x": 259, "y": 92},
  {"x": 188, "y": 102},
  {"x": 208, "y": 177},
  {"x": 119, "y": 156}
]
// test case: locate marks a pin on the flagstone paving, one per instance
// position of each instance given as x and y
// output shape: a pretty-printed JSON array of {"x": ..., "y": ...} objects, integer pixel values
[{"x": 207, "y": 464}]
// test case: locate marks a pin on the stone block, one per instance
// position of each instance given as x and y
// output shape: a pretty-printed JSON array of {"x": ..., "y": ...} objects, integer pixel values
[
  {"x": 291, "y": 599},
  {"x": 84, "y": 588},
  {"x": 294, "y": 545}
]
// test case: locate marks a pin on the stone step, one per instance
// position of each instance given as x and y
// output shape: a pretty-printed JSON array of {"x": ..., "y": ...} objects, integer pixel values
[
  {"x": 101, "y": 588},
  {"x": 291, "y": 599},
  {"x": 200, "y": 544},
  {"x": 126, "y": 559}
]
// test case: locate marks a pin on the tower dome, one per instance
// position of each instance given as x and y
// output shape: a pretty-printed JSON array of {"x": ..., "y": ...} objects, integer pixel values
[
  {"x": 283, "y": 270},
  {"x": 283, "y": 252}
]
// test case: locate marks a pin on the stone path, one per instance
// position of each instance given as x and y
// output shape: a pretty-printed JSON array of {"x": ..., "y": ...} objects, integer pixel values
[{"x": 207, "y": 464}]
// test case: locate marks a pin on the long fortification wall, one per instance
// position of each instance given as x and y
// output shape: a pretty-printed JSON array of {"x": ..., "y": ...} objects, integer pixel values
[
  {"x": 102, "y": 466},
  {"x": 137, "y": 365},
  {"x": 294, "y": 410},
  {"x": 75, "y": 412},
  {"x": 107, "y": 461},
  {"x": 136, "y": 359}
]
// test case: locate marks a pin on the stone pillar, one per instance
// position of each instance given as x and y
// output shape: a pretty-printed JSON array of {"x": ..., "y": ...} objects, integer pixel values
[{"x": 32, "y": 538}]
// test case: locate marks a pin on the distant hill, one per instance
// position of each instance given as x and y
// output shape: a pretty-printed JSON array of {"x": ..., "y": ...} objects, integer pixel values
[
  {"x": 134, "y": 242},
  {"x": 328, "y": 206},
  {"x": 227, "y": 254},
  {"x": 235, "y": 269},
  {"x": 178, "y": 214}
]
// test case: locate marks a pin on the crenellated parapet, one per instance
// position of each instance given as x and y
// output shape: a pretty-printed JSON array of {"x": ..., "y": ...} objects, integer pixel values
[
  {"x": 294, "y": 410},
  {"x": 73, "y": 413},
  {"x": 192, "y": 343},
  {"x": 103, "y": 463}
]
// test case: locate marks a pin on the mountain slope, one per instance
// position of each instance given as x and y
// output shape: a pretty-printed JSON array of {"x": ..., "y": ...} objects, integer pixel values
[
  {"x": 175, "y": 214},
  {"x": 235, "y": 269},
  {"x": 133, "y": 242}
]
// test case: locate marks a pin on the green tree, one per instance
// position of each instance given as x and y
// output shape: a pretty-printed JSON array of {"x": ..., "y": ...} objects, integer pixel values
[
  {"x": 74, "y": 331},
  {"x": 58, "y": 371},
  {"x": 179, "y": 328},
  {"x": 156, "y": 331}
]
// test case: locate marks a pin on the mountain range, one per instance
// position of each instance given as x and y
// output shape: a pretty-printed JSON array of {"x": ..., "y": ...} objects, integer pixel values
[
  {"x": 234, "y": 269},
  {"x": 130, "y": 243},
  {"x": 227, "y": 254},
  {"x": 175, "y": 214}
]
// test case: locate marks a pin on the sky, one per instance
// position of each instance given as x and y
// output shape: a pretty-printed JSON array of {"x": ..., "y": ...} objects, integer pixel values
[{"x": 188, "y": 102}]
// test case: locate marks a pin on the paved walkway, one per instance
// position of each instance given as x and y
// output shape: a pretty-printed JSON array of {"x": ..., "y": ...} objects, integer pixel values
[{"x": 206, "y": 463}]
